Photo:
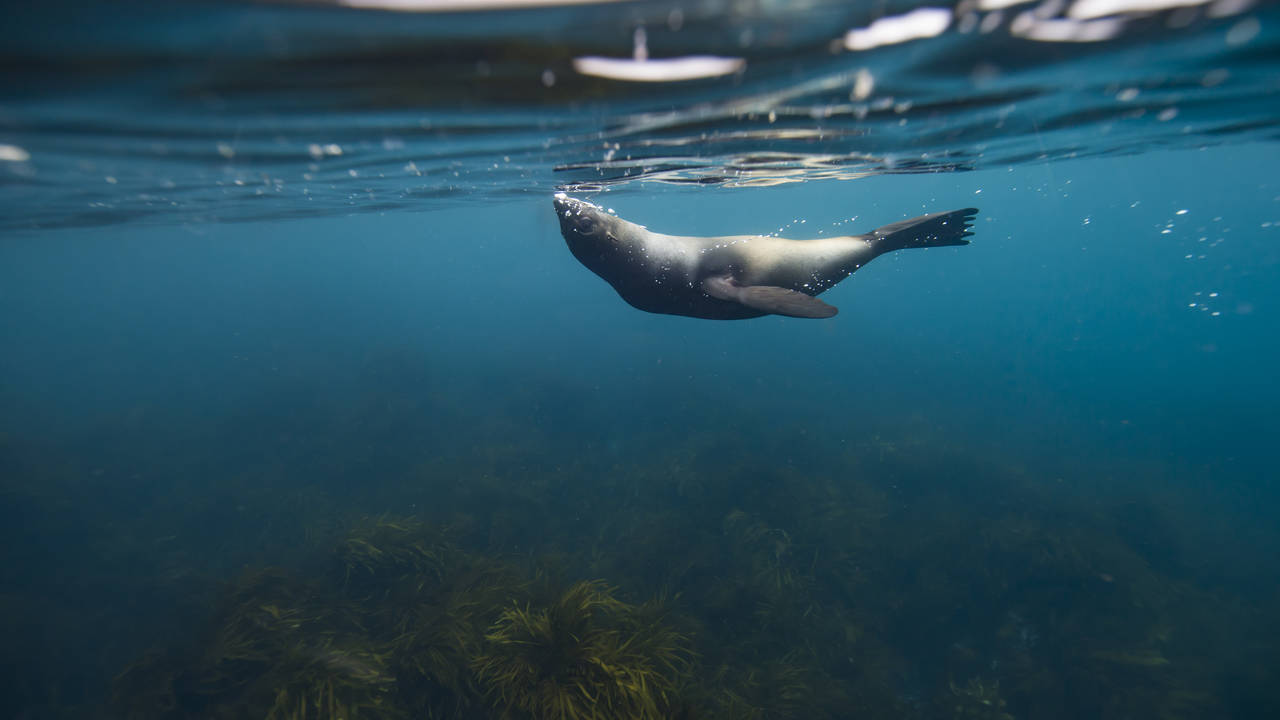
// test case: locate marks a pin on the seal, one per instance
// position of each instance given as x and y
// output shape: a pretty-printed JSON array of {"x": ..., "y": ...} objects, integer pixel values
[{"x": 735, "y": 277}]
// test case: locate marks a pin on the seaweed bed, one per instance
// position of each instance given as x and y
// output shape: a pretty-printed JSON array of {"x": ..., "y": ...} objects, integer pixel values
[{"x": 698, "y": 577}]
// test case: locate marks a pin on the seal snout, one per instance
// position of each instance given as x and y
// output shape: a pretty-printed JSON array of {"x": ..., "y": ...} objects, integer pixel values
[
  {"x": 576, "y": 215},
  {"x": 565, "y": 204}
]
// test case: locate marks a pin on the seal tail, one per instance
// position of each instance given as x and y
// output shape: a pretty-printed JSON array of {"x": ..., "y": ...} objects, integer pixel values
[{"x": 933, "y": 230}]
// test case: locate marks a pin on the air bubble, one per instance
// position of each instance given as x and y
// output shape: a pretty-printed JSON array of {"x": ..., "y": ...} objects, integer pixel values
[
  {"x": 1244, "y": 31},
  {"x": 13, "y": 153}
]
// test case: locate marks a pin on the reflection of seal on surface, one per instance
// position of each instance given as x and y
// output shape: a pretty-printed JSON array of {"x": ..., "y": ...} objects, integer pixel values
[{"x": 736, "y": 276}]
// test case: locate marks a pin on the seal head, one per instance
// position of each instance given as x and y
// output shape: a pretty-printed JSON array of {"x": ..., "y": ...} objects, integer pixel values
[{"x": 606, "y": 244}]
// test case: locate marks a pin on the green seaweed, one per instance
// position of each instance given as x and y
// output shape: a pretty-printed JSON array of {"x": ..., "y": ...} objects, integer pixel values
[
  {"x": 584, "y": 656},
  {"x": 799, "y": 594},
  {"x": 977, "y": 699}
]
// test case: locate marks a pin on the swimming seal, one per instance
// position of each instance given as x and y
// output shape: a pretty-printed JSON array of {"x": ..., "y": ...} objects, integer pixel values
[{"x": 735, "y": 277}]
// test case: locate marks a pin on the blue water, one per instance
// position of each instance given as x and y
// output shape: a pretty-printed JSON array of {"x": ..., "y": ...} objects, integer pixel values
[{"x": 1031, "y": 477}]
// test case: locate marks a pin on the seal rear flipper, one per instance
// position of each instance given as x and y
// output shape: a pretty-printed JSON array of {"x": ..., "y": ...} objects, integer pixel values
[
  {"x": 933, "y": 230},
  {"x": 769, "y": 299}
]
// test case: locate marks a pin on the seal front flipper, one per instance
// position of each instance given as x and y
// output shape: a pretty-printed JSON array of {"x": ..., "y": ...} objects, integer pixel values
[{"x": 769, "y": 299}]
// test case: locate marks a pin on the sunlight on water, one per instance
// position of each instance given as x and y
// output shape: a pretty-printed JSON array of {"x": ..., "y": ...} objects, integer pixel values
[{"x": 253, "y": 108}]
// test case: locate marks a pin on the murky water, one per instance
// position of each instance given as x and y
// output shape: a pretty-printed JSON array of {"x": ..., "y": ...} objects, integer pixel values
[{"x": 307, "y": 410}]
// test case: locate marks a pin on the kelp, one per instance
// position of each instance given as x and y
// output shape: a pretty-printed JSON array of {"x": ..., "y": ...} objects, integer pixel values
[
  {"x": 787, "y": 595},
  {"x": 281, "y": 645},
  {"x": 409, "y": 625},
  {"x": 584, "y": 656}
]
